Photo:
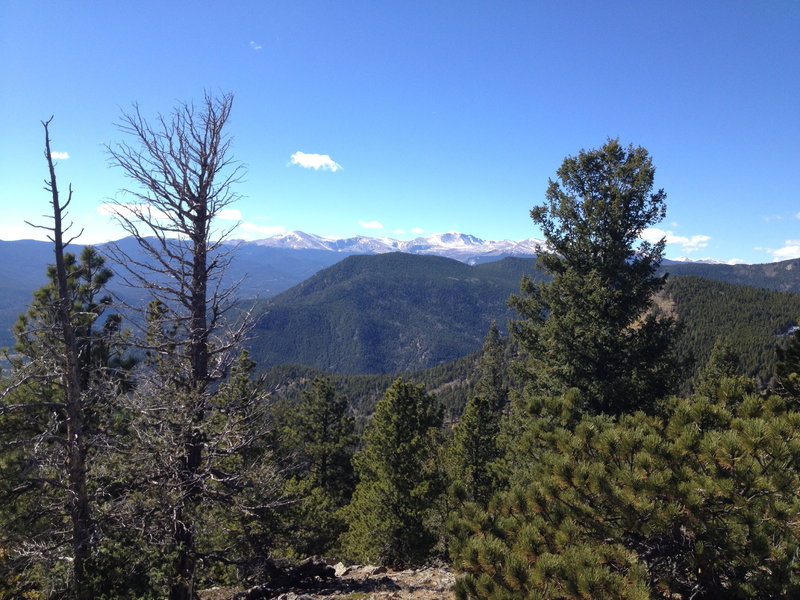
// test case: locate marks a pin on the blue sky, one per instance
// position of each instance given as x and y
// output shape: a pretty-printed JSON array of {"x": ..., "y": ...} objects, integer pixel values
[{"x": 436, "y": 116}]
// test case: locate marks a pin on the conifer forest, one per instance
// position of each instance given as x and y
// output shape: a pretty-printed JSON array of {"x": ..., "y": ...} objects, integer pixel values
[{"x": 608, "y": 442}]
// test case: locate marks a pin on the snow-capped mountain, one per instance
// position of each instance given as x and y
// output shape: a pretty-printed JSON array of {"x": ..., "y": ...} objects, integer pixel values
[{"x": 460, "y": 246}]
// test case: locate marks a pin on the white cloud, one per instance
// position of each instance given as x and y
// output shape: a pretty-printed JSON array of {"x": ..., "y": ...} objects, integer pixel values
[
  {"x": 315, "y": 161},
  {"x": 251, "y": 228},
  {"x": 791, "y": 249},
  {"x": 797, "y": 216},
  {"x": 244, "y": 229},
  {"x": 133, "y": 211},
  {"x": 21, "y": 231},
  {"x": 418, "y": 230},
  {"x": 688, "y": 244},
  {"x": 371, "y": 224},
  {"x": 693, "y": 243},
  {"x": 59, "y": 155},
  {"x": 255, "y": 46},
  {"x": 106, "y": 210},
  {"x": 230, "y": 214},
  {"x": 399, "y": 231}
]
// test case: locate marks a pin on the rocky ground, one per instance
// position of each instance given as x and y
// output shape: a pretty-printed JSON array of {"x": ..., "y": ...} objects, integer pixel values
[{"x": 357, "y": 583}]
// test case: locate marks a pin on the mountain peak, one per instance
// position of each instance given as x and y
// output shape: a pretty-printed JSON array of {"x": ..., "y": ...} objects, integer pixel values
[{"x": 298, "y": 240}]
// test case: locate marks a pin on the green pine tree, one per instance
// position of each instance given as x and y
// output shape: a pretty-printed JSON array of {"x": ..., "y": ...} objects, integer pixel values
[
  {"x": 398, "y": 480},
  {"x": 694, "y": 499},
  {"x": 592, "y": 325},
  {"x": 697, "y": 502},
  {"x": 100, "y": 348},
  {"x": 493, "y": 372},
  {"x": 475, "y": 447},
  {"x": 318, "y": 435},
  {"x": 723, "y": 366},
  {"x": 35, "y": 424}
]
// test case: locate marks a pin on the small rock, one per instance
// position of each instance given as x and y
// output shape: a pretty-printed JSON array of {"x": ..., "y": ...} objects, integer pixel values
[
  {"x": 373, "y": 570},
  {"x": 423, "y": 578},
  {"x": 341, "y": 569}
]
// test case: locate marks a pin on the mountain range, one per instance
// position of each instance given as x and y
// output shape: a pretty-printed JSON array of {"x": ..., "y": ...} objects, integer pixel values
[
  {"x": 459, "y": 246},
  {"x": 433, "y": 307}
]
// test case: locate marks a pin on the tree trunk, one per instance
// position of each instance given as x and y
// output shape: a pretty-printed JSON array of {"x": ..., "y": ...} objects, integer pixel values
[
  {"x": 185, "y": 562},
  {"x": 70, "y": 380}
]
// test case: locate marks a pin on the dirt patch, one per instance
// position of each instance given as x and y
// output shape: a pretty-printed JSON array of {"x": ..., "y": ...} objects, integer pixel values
[{"x": 363, "y": 583}]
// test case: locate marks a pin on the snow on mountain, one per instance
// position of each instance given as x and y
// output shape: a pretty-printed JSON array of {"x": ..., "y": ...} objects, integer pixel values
[
  {"x": 452, "y": 244},
  {"x": 705, "y": 261},
  {"x": 295, "y": 240},
  {"x": 451, "y": 239},
  {"x": 365, "y": 244},
  {"x": 461, "y": 246}
]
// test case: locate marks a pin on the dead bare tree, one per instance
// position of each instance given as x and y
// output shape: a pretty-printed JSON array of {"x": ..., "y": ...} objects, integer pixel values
[
  {"x": 75, "y": 442},
  {"x": 54, "y": 348},
  {"x": 184, "y": 179}
]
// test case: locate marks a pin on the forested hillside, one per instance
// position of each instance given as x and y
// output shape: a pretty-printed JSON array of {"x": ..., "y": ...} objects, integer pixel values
[
  {"x": 264, "y": 271},
  {"x": 753, "y": 321},
  {"x": 386, "y": 313},
  {"x": 451, "y": 382},
  {"x": 393, "y": 313}
]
